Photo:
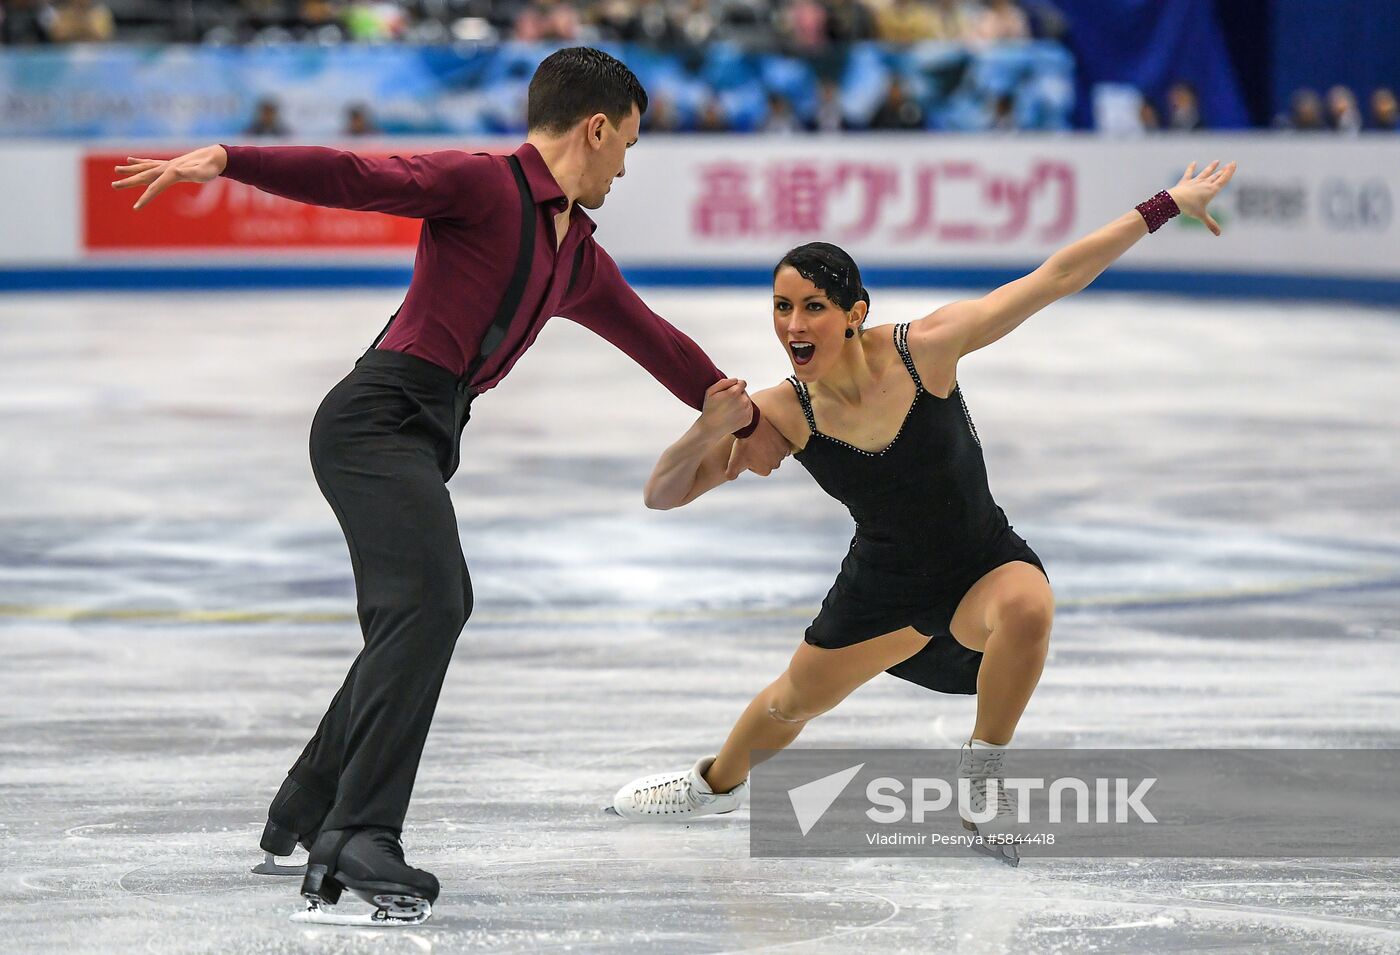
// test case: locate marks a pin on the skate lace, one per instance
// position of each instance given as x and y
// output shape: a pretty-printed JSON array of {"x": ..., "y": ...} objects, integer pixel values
[
  {"x": 670, "y": 795},
  {"x": 990, "y": 768}
]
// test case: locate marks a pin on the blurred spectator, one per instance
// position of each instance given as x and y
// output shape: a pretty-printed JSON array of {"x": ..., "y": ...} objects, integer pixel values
[
  {"x": 906, "y": 21},
  {"x": 830, "y": 116},
  {"x": 1147, "y": 116},
  {"x": 712, "y": 118},
  {"x": 747, "y": 23},
  {"x": 803, "y": 26},
  {"x": 260, "y": 11},
  {"x": 635, "y": 21},
  {"x": 611, "y": 18},
  {"x": 661, "y": 117},
  {"x": 696, "y": 22},
  {"x": 849, "y": 21},
  {"x": 1305, "y": 112},
  {"x": 267, "y": 121},
  {"x": 1183, "y": 108},
  {"x": 1343, "y": 115},
  {"x": 653, "y": 24},
  {"x": 1047, "y": 21},
  {"x": 358, "y": 121},
  {"x": 898, "y": 111},
  {"x": 316, "y": 14},
  {"x": 1001, "y": 21},
  {"x": 81, "y": 21},
  {"x": 1385, "y": 113},
  {"x": 952, "y": 21},
  {"x": 22, "y": 22},
  {"x": 374, "y": 21},
  {"x": 1003, "y": 114},
  {"x": 547, "y": 20},
  {"x": 780, "y": 119}
]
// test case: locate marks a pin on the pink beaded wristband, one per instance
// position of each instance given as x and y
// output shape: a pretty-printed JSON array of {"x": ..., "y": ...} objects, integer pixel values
[{"x": 1158, "y": 210}]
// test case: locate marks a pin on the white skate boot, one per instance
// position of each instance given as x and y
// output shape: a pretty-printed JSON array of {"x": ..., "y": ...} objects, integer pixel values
[
  {"x": 991, "y": 807},
  {"x": 675, "y": 796}
]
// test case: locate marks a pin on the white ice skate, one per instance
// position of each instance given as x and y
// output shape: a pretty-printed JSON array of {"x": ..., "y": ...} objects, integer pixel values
[
  {"x": 675, "y": 796},
  {"x": 982, "y": 768}
]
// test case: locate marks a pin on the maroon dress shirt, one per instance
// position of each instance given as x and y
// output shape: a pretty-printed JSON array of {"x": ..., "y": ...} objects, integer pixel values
[{"x": 470, "y": 207}]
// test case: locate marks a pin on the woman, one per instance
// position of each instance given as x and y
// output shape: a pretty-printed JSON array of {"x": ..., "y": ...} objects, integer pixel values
[{"x": 936, "y": 588}]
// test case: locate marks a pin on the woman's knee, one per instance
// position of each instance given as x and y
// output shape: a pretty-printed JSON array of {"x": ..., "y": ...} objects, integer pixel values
[
  {"x": 794, "y": 700},
  {"x": 1028, "y": 614}
]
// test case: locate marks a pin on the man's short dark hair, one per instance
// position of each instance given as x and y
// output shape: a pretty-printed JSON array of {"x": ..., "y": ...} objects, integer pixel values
[{"x": 575, "y": 83}]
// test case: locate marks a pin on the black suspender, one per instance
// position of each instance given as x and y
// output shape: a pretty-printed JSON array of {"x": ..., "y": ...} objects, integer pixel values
[
  {"x": 516, "y": 289},
  {"x": 573, "y": 275},
  {"x": 385, "y": 330}
]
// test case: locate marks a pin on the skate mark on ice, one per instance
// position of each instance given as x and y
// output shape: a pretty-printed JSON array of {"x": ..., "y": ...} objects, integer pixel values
[
  {"x": 839, "y": 933},
  {"x": 1225, "y": 913},
  {"x": 1161, "y": 921},
  {"x": 73, "y": 832},
  {"x": 676, "y": 741}
]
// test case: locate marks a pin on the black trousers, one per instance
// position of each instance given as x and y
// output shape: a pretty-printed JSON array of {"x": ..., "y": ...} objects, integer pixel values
[{"x": 383, "y": 444}]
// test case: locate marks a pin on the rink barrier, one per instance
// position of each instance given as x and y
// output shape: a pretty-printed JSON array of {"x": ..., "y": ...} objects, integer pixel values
[
  {"x": 1374, "y": 579},
  {"x": 1370, "y": 291},
  {"x": 1315, "y": 217}
]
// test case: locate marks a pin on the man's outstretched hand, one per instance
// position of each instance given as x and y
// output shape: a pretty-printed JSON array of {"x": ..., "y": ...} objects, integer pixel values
[
  {"x": 158, "y": 175},
  {"x": 761, "y": 452}
]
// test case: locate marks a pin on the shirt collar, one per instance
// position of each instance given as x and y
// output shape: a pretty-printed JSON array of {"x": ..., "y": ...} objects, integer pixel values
[{"x": 545, "y": 190}]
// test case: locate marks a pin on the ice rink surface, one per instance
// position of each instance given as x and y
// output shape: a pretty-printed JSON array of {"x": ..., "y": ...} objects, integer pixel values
[{"x": 1212, "y": 486}]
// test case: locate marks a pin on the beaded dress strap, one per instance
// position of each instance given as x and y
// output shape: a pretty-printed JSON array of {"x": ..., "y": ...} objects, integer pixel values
[
  {"x": 901, "y": 344},
  {"x": 805, "y": 400}
]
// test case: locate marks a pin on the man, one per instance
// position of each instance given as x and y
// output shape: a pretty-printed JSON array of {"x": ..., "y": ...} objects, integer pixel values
[{"x": 502, "y": 235}]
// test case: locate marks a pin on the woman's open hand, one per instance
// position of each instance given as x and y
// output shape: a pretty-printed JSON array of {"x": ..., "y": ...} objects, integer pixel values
[{"x": 1194, "y": 192}]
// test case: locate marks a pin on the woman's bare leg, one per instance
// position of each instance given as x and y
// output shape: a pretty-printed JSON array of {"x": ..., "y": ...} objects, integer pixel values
[
  {"x": 814, "y": 682},
  {"x": 1007, "y": 615}
]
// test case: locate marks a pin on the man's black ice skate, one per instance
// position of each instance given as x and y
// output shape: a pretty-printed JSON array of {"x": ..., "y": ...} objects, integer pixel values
[
  {"x": 369, "y": 862},
  {"x": 293, "y": 818}
]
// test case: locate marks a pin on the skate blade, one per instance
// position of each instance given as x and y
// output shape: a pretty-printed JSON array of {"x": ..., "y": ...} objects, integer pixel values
[
  {"x": 611, "y": 811},
  {"x": 1006, "y": 854},
  {"x": 391, "y": 911},
  {"x": 271, "y": 866}
]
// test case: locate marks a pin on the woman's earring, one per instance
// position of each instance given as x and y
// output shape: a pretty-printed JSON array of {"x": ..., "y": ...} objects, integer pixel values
[{"x": 850, "y": 333}]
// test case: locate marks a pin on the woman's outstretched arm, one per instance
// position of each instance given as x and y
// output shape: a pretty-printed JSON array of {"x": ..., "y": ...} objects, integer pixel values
[
  {"x": 962, "y": 327},
  {"x": 699, "y": 461}
]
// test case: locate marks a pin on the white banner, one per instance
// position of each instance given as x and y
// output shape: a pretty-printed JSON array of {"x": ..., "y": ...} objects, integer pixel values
[
  {"x": 1306, "y": 207},
  {"x": 1311, "y": 205}
]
